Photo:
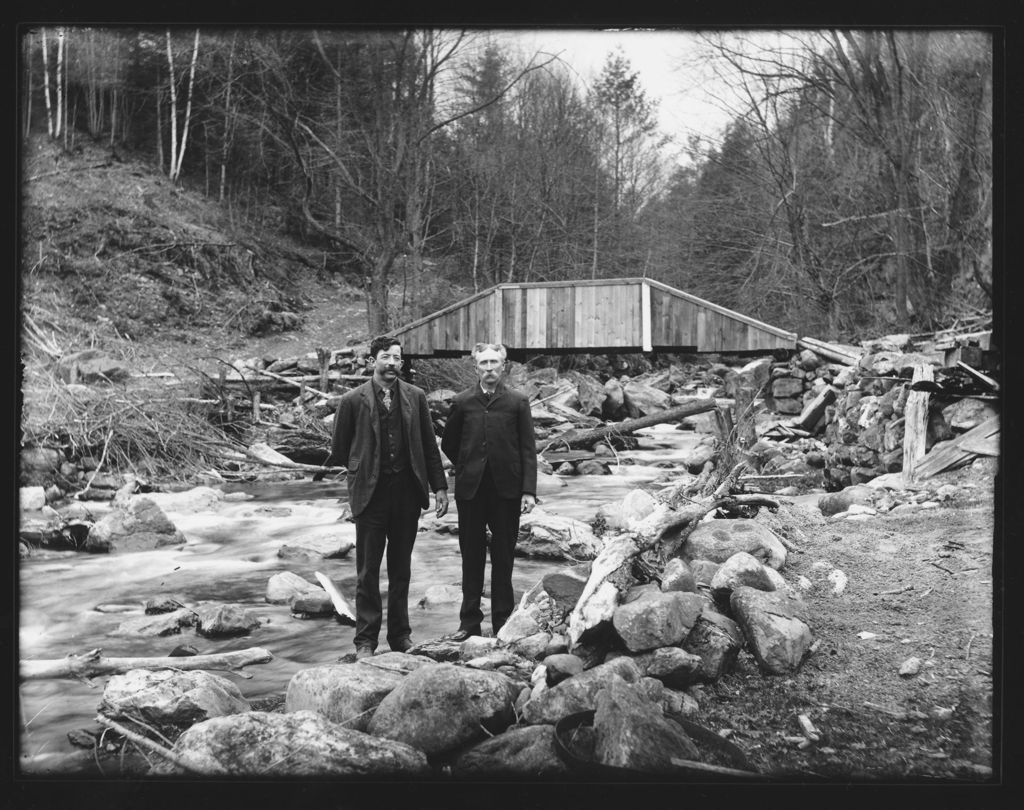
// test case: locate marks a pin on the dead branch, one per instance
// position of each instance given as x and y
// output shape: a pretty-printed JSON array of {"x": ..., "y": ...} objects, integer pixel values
[
  {"x": 92, "y": 663},
  {"x": 159, "y": 750}
]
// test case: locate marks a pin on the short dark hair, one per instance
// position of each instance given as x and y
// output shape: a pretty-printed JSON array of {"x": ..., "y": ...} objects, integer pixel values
[{"x": 381, "y": 343}]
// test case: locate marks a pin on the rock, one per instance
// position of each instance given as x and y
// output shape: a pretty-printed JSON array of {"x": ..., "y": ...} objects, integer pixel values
[
  {"x": 636, "y": 505},
  {"x": 579, "y": 693},
  {"x": 555, "y": 537},
  {"x": 718, "y": 539},
  {"x": 679, "y": 703},
  {"x": 442, "y": 707},
  {"x": 37, "y": 465},
  {"x": 224, "y": 621},
  {"x": 312, "y": 605},
  {"x": 302, "y": 743},
  {"x": 786, "y": 387},
  {"x": 32, "y": 499},
  {"x": 441, "y": 595},
  {"x": 592, "y": 467},
  {"x": 189, "y": 501},
  {"x": 704, "y": 571},
  {"x": 910, "y": 667},
  {"x": 438, "y": 649},
  {"x": 527, "y": 751},
  {"x": 345, "y": 694},
  {"x": 163, "y": 604},
  {"x": 139, "y": 525},
  {"x": 677, "y": 576},
  {"x": 646, "y": 399},
  {"x": 695, "y": 459},
  {"x": 836, "y": 502},
  {"x": 560, "y": 666},
  {"x": 717, "y": 639},
  {"x": 672, "y": 666},
  {"x": 808, "y": 360},
  {"x": 566, "y": 585},
  {"x": 614, "y": 402},
  {"x": 284, "y": 586},
  {"x": 532, "y": 646},
  {"x": 657, "y": 619},
  {"x": 524, "y": 621},
  {"x": 965, "y": 414},
  {"x": 776, "y": 627},
  {"x": 163, "y": 624},
  {"x": 91, "y": 366},
  {"x": 167, "y": 696},
  {"x": 788, "y": 405},
  {"x": 633, "y": 733},
  {"x": 476, "y": 646},
  {"x": 740, "y": 569}
]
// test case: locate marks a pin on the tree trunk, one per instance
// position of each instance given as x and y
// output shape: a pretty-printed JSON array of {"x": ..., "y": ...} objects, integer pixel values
[{"x": 582, "y": 438}]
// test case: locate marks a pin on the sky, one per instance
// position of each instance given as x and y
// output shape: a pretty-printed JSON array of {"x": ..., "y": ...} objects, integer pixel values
[{"x": 667, "y": 63}]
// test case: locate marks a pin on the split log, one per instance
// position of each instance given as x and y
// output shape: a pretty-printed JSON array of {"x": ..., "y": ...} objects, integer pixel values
[
  {"x": 837, "y": 354},
  {"x": 340, "y": 604},
  {"x": 580, "y": 438},
  {"x": 92, "y": 663},
  {"x": 915, "y": 433}
]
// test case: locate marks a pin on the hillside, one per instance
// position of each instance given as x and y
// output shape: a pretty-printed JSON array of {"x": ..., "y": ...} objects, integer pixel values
[{"x": 114, "y": 256}]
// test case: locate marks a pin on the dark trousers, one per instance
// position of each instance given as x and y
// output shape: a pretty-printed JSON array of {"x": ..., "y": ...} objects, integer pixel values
[
  {"x": 501, "y": 515},
  {"x": 388, "y": 521}
]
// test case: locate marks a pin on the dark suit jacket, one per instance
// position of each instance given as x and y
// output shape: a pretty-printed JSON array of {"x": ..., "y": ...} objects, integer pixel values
[
  {"x": 356, "y": 443},
  {"x": 498, "y": 435}
]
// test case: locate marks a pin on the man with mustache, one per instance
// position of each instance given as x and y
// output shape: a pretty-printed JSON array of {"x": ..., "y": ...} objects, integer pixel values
[
  {"x": 384, "y": 438},
  {"x": 489, "y": 438}
]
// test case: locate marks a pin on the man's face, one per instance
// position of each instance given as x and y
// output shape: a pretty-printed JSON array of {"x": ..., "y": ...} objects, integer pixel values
[
  {"x": 489, "y": 366},
  {"x": 387, "y": 364}
]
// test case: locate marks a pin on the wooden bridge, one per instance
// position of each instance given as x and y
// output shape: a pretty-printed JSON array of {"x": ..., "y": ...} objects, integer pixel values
[{"x": 600, "y": 316}]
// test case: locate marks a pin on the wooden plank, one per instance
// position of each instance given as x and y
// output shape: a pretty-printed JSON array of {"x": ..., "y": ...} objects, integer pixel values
[
  {"x": 915, "y": 432},
  {"x": 586, "y": 303},
  {"x": 955, "y": 452}
]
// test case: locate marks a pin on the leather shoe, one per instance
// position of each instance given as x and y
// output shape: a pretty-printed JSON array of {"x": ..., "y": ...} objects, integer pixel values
[
  {"x": 459, "y": 635},
  {"x": 402, "y": 645},
  {"x": 363, "y": 652}
]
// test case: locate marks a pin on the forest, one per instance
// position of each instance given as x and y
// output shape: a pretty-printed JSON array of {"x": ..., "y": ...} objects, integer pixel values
[{"x": 850, "y": 193}]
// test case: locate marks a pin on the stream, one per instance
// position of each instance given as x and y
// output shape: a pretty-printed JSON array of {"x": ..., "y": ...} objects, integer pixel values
[{"x": 230, "y": 553}]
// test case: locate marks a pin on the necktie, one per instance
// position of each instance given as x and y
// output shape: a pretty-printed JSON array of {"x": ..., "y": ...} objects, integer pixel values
[{"x": 387, "y": 400}]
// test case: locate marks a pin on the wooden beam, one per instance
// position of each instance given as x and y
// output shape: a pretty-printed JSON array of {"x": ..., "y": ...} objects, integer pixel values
[
  {"x": 645, "y": 316},
  {"x": 915, "y": 429}
]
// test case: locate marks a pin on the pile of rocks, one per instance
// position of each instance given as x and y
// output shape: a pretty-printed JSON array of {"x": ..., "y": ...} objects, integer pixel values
[
  {"x": 798, "y": 381},
  {"x": 488, "y": 707}
]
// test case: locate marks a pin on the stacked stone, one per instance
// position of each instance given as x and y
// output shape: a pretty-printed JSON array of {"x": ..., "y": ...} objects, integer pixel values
[{"x": 798, "y": 381}]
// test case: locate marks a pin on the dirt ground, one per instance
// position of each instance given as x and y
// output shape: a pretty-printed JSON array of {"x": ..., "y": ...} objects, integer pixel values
[{"x": 917, "y": 585}]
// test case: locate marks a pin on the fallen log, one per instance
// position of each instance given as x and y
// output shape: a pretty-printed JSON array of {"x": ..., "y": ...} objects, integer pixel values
[
  {"x": 92, "y": 663},
  {"x": 830, "y": 351},
  {"x": 579, "y": 438}
]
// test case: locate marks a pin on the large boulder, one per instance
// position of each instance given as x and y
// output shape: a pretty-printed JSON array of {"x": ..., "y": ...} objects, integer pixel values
[
  {"x": 189, "y": 501},
  {"x": 634, "y": 507},
  {"x": 579, "y": 693},
  {"x": 526, "y": 751},
  {"x": 346, "y": 694},
  {"x": 644, "y": 398},
  {"x": 741, "y": 569},
  {"x": 632, "y": 732},
  {"x": 556, "y": 537},
  {"x": 678, "y": 576},
  {"x": 657, "y": 619},
  {"x": 776, "y": 626},
  {"x": 565, "y": 586},
  {"x": 302, "y": 743},
  {"x": 138, "y": 525},
  {"x": 170, "y": 697},
  {"x": 718, "y": 539},
  {"x": 443, "y": 707}
]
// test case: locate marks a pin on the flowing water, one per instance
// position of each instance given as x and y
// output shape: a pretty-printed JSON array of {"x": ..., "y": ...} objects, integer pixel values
[{"x": 230, "y": 553}]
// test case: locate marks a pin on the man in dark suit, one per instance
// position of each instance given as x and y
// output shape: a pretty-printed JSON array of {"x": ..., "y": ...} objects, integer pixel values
[
  {"x": 384, "y": 438},
  {"x": 489, "y": 438}
]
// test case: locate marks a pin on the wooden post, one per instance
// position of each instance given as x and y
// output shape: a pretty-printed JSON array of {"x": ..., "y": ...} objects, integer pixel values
[
  {"x": 645, "y": 316},
  {"x": 915, "y": 428},
  {"x": 256, "y": 405},
  {"x": 324, "y": 357}
]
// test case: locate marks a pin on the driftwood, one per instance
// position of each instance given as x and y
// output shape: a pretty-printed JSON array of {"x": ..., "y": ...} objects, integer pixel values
[
  {"x": 156, "y": 748},
  {"x": 580, "y": 438},
  {"x": 341, "y": 606},
  {"x": 92, "y": 663},
  {"x": 665, "y": 529}
]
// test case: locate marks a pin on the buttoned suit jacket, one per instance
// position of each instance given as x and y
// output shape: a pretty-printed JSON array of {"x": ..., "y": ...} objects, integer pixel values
[
  {"x": 498, "y": 435},
  {"x": 355, "y": 443}
]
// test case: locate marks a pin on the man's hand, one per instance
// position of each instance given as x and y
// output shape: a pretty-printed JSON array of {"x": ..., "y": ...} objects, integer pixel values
[
  {"x": 529, "y": 501},
  {"x": 441, "y": 502}
]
